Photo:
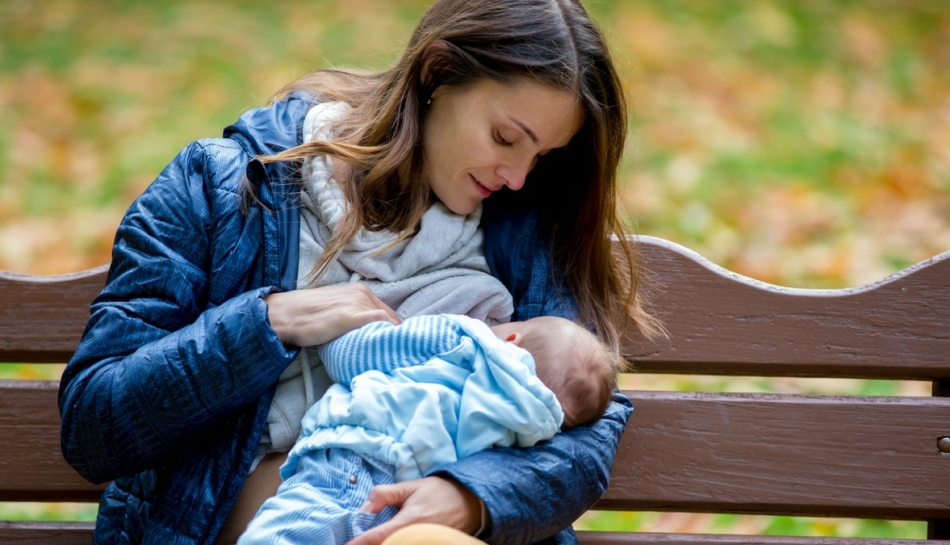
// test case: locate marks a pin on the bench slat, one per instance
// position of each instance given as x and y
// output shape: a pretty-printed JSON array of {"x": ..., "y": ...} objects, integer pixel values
[
  {"x": 784, "y": 455},
  {"x": 682, "y": 452},
  {"x": 723, "y": 323},
  {"x": 48, "y": 533},
  {"x": 32, "y": 466},
  {"x": 719, "y": 322},
  {"x": 638, "y": 538},
  {"x": 42, "y": 317}
]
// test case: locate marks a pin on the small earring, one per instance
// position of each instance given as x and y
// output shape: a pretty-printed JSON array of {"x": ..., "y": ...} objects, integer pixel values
[{"x": 428, "y": 102}]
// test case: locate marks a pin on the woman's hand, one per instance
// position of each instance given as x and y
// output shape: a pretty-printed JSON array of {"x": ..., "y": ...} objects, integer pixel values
[
  {"x": 314, "y": 316},
  {"x": 432, "y": 499}
]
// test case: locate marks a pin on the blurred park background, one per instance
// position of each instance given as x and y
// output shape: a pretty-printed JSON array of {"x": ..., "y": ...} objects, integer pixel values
[{"x": 802, "y": 143}]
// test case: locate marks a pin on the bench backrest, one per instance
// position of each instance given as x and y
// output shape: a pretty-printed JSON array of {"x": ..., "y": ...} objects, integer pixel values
[{"x": 783, "y": 454}]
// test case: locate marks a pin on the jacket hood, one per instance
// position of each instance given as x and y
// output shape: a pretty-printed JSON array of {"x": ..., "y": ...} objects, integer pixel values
[{"x": 266, "y": 131}]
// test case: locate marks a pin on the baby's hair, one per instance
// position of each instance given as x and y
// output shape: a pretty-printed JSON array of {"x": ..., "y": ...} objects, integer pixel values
[{"x": 575, "y": 364}]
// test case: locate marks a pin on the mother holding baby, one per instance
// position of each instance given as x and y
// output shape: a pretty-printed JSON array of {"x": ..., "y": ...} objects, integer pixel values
[{"x": 491, "y": 146}]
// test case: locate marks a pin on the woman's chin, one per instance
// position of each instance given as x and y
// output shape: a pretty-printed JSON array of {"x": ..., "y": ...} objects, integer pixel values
[{"x": 462, "y": 209}]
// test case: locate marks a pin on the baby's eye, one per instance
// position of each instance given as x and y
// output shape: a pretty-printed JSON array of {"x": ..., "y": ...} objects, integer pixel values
[{"x": 501, "y": 140}]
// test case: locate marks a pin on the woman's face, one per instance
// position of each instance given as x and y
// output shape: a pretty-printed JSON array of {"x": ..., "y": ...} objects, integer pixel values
[{"x": 488, "y": 135}]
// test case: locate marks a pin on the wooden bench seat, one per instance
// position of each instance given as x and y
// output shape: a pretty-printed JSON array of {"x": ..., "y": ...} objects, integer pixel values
[{"x": 766, "y": 454}]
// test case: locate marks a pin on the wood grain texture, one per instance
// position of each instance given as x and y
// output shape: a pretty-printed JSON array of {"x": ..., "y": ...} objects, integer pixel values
[
  {"x": 720, "y": 322},
  {"x": 741, "y": 453},
  {"x": 869, "y": 457},
  {"x": 46, "y": 533},
  {"x": 32, "y": 466},
  {"x": 42, "y": 317},
  {"x": 638, "y": 538}
]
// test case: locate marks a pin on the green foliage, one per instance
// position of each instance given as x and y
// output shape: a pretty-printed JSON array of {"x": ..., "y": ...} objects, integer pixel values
[
  {"x": 607, "y": 521},
  {"x": 29, "y": 371},
  {"x": 82, "y": 512}
]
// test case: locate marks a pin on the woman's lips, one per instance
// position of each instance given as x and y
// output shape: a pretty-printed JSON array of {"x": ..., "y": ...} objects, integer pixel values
[{"x": 482, "y": 190}]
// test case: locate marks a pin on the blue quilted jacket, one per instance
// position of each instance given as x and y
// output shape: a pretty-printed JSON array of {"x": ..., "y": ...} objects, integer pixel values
[{"x": 168, "y": 392}]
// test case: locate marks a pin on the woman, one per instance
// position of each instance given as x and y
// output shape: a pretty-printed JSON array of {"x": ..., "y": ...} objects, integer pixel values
[{"x": 512, "y": 104}]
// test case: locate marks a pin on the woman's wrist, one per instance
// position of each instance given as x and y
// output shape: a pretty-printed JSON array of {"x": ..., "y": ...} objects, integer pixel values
[
  {"x": 476, "y": 514},
  {"x": 278, "y": 319}
]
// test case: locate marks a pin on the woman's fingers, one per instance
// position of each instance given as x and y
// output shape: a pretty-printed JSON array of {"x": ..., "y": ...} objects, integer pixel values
[
  {"x": 380, "y": 497},
  {"x": 432, "y": 499},
  {"x": 314, "y": 316},
  {"x": 392, "y": 316},
  {"x": 384, "y": 495}
]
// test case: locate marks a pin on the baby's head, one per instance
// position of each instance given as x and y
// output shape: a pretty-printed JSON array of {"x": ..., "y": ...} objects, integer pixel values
[{"x": 571, "y": 361}]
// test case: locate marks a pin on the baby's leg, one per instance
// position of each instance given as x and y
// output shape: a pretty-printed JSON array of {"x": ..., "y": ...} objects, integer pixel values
[{"x": 320, "y": 502}]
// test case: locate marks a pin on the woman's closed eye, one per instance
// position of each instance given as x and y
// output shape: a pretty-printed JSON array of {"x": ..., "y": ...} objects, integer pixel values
[{"x": 501, "y": 139}]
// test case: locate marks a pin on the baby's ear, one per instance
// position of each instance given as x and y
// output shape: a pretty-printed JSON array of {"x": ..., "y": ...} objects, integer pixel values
[{"x": 514, "y": 338}]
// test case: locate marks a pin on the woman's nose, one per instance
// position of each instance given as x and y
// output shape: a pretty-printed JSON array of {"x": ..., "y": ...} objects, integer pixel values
[{"x": 514, "y": 175}]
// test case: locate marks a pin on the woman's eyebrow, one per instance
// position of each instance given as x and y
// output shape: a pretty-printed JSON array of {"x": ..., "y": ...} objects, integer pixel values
[{"x": 525, "y": 128}]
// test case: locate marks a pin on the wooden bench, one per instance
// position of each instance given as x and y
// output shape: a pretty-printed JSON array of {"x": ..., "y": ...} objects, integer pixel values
[{"x": 770, "y": 454}]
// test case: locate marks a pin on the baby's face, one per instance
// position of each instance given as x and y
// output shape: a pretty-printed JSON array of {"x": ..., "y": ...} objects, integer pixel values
[
  {"x": 566, "y": 372},
  {"x": 567, "y": 360}
]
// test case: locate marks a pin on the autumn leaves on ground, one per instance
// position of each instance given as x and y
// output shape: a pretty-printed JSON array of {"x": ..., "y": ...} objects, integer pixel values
[{"x": 799, "y": 143}]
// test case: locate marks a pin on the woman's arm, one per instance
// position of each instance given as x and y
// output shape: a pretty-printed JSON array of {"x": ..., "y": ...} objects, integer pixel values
[
  {"x": 162, "y": 359},
  {"x": 548, "y": 486},
  {"x": 542, "y": 490},
  {"x": 186, "y": 330}
]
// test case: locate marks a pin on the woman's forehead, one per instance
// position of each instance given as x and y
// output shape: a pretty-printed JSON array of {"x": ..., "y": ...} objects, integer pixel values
[{"x": 549, "y": 116}]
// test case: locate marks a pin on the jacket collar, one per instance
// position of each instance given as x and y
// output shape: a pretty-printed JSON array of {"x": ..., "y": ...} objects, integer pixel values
[{"x": 267, "y": 131}]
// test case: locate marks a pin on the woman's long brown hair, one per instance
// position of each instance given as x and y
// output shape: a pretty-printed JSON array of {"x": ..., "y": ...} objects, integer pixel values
[{"x": 574, "y": 189}]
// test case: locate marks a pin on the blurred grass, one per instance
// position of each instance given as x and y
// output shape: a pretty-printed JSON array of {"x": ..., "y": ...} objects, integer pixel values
[
  {"x": 751, "y": 525},
  {"x": 24, "y": 371},
  {"x": 799, "y": 143},
  {"x": 29, "y": 511}
]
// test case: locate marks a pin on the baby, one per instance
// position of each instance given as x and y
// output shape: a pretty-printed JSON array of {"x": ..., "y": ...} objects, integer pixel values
[{"x": 412, "y": 398}]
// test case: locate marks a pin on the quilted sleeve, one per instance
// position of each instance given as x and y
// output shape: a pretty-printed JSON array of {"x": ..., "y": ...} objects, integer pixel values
[
  {"x": 547, "y": 486},
  {"x": 160, "y": 362}
]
